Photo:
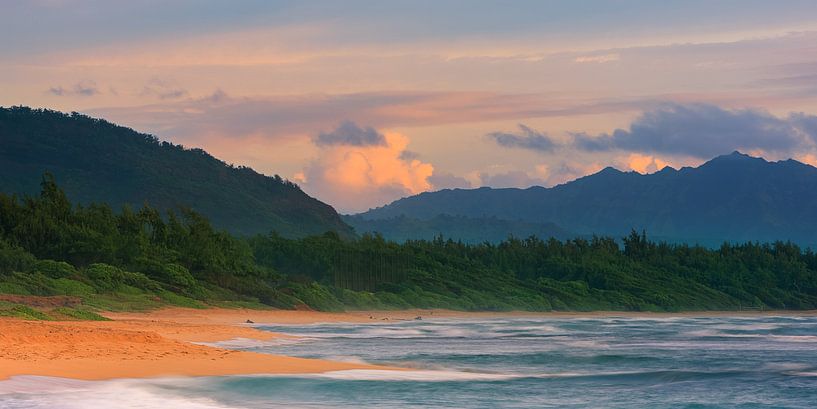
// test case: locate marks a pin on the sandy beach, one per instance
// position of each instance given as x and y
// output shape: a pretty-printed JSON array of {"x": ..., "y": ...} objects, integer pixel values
[
  {"x": 164, "y": 342},
  {"x": 144, "y": 347}
]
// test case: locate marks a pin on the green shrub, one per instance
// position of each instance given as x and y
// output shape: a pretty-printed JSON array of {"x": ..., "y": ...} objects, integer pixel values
[
  {"x": 13, "y": 258},
  {"x": 317, "y": 297},
  {"x": 105, "y": 276},
  {"x": 55, "y": 269},
  {"x": 359, "y": 300},
  {"x": 140, "y": 281},
  {"x": 66, "y": 286},
  {"x": 176, "y": 275},
  {"x": 13, "y": 288}
]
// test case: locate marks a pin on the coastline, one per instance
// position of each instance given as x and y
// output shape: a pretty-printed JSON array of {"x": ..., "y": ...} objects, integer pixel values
[
  {"x": 222, "y": 316},
  {"x": 101, "y": 350},
  {"x": 166, "y": 342}
]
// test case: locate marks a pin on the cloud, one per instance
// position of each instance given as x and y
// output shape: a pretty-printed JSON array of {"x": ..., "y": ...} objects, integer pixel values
[
  {"x": 704, "y": 131},
  {"x": 526, "y": 138},
  {"x": 446, "y": 180},
  {"x": 348, "y": 133},
  {"x": 598, "y": 59},
  {"x": 544, "y": 174},
  {"x": 354, "y": 176},
  {"x": 805, "y": 123},
  {"x": 645, "y": 163},
  {"x": 409, "y": 155},
  {"x": 286, "y": 115},
  {"x": 58, "y": 91},
  {"x": 85, "y": 88},
  {"x": 163, "y": 89},
  {"x": 513, "y": 178}
]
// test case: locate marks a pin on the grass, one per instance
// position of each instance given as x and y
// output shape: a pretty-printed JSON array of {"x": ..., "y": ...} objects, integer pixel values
[
  {"x": 23, "y": 312},
  {"x": 77, "y": 314}
]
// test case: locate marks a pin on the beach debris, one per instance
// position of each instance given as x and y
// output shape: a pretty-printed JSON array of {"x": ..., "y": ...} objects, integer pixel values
[
  {"x": 250, "y": 322},
  {"x": 418, "y": 318}
]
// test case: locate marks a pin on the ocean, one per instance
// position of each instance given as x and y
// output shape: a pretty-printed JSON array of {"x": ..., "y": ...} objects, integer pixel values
[{"x": 666, "y": 362}]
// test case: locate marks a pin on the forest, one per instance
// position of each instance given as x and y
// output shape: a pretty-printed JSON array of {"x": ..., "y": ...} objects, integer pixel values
[{"x": 132, "y": 259}]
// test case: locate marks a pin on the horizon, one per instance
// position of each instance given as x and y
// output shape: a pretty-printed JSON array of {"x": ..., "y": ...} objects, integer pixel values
[{"x": 538, "y": 94}]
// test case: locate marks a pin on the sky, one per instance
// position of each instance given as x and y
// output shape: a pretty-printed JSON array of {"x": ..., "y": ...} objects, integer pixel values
[{"x": 364, "y": 102}]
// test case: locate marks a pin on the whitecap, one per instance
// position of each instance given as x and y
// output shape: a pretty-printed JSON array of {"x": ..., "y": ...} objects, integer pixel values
[
  {"x": 805, "y": 374},
  {"x": 247, "y": 343},
  {"x": 415, "y": 375},
  {"x": 720, "y": 334},
  {"x": 47, "y": 392},
  {"x": 794, "y": 338}
]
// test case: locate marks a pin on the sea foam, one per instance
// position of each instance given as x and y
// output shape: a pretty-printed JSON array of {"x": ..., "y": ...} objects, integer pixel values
[{"x": 34, "y": 392}]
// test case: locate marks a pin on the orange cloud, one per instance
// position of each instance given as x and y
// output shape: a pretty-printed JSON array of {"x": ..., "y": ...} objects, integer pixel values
[
  {"x": 645, "y": 163},
  {"x": 808, "y": 158},
  {"x": 354, "y": 177}
]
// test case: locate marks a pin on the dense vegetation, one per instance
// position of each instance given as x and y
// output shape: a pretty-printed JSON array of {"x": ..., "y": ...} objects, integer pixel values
[
  {"x": 99, "y": 162},
  {"x": 142, "y": 258},
  {"x": 733, "y": 198}
]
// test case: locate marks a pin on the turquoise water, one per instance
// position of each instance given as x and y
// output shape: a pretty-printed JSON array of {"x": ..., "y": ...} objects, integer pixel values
[{"x": 718, "y": 362}]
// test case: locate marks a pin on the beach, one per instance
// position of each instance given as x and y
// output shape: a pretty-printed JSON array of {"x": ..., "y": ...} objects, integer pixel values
[
  {"x": 142, "y": 345},
  {"x": 215, "y": 359},
  {"x": 168, "y": 342}
]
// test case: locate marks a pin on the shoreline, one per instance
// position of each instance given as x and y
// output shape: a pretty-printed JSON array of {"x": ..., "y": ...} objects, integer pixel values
[
  {"x": 167, "y": 342},
  {"x": 222, "y": 316},
  {"x": 146, "y": 348}
]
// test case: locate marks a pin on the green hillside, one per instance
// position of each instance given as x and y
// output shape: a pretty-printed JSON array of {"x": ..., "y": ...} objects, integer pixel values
[{"x": 97, "y": 161}]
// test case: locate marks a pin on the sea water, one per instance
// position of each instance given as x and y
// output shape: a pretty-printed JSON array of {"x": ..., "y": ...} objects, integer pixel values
[{"x": 713, "y": 362}]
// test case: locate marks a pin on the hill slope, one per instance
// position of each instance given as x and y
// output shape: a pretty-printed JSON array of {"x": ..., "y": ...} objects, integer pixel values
[
  {"x": 732, "y": 197},
  {"x": 96, "y": 161}
]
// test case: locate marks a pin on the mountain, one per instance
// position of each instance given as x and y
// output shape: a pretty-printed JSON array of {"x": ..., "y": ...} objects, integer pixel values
[
  {"x": 465, "y": 229},
  {"x": 97, "y": 161},
  {"x": 732, "y": 197}
]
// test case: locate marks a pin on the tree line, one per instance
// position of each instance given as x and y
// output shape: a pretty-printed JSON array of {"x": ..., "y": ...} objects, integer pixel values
[{"x": 49, "y": 246}]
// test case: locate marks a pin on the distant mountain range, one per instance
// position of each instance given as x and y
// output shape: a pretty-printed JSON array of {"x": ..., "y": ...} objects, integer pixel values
[
  {"x": 97, "y": 161},
  {"x": 732, "y": 197},
  {"x": 465, "y": 229}
]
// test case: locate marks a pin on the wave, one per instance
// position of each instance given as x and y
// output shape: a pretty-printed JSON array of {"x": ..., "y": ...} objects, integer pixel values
[
  {"x": 714, "y": 333},
  {"x": 794, "y": 338},
  {"x": 746, "y": 327},
  {"x": 428, "y": 331},
  {"x": 414, "y": 375},
  {"x": 658, "y": 376},
  {"x": 248, "y": 343},
  {"x": 805, "y": 374},
  {"x": 46, "y": 392}
]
